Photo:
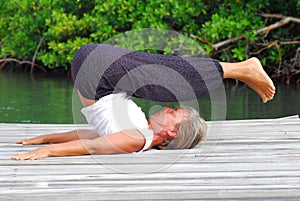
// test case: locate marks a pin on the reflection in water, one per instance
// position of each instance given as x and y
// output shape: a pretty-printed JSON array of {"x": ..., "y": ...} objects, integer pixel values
[
  {"x": 38, "y": 99},
  {"x": 45, "y": 99}
]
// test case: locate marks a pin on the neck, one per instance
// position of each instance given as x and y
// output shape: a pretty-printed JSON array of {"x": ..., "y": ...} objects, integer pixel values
[{"x": 157, "y": 138}]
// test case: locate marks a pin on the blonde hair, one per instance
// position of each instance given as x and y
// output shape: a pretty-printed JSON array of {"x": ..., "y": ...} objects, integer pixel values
[{"x": 191, "y": 130}]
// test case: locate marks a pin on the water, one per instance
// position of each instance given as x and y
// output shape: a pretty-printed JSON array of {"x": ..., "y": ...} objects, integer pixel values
[
  {"x": 38, "y": 99},
  {"x": 48, "y": 99}
]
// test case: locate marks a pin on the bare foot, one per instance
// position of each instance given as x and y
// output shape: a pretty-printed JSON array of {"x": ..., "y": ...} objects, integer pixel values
[
  {"x": 32, "y": 141},
  {"x": 252, "y": 73},
  {"x": 257, "y": 79}
]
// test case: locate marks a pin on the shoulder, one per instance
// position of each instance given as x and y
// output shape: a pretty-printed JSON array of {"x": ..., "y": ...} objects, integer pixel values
[{"x": 148, "y": 135}]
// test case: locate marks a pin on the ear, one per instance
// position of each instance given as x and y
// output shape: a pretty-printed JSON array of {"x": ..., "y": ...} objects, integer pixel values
[{"x": 172, "y": 134}]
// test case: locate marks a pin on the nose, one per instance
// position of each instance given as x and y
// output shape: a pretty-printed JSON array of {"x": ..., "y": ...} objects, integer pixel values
[{"x": 167, "y": 109}]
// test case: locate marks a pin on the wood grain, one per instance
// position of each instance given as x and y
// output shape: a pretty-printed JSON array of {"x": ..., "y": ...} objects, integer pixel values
[{"x": 240, "y": 160}]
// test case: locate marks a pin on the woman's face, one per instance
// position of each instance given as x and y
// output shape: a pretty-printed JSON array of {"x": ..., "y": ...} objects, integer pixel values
[{"x": 167, "y": 119}]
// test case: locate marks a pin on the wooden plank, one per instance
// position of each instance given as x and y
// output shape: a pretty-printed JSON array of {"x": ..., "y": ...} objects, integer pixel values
[{"x": 241, "y": 160}]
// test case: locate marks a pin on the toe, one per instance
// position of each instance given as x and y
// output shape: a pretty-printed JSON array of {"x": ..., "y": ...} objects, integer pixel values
[{"x": 265, "y": 99}]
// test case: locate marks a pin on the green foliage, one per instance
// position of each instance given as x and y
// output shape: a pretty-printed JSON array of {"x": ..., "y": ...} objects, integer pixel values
[
  {"x": 66, "y": 25},
  {"x": 234, "y": 18}
]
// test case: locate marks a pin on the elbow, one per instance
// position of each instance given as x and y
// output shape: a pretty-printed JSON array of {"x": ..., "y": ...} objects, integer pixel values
[{"x": 91, "y": 149}]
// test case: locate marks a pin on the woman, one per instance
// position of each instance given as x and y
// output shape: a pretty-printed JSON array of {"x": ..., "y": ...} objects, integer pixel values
[{"x": 105, "y": 77}]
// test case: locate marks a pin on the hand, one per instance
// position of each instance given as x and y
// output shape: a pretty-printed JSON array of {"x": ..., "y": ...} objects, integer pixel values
[
  {"x": 42, "y": 152},
  {"x": 32, "y": 141}
]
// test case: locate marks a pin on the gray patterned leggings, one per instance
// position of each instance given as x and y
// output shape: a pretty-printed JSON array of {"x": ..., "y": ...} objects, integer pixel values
[{"x": 99, "y": 70}]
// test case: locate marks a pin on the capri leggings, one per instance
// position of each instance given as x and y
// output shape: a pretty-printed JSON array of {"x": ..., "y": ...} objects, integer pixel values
[{"x": 99, "y": 70}]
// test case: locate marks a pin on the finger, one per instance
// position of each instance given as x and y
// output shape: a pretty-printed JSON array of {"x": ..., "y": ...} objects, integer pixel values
[
  {"x": 20, "y": 141},
  {"x": 23, "y": 142},
  {"x": 24, "y": 156},
  {"x": 15, "y": 157}
]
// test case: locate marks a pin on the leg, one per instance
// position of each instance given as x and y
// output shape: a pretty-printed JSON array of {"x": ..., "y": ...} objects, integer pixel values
[
  {"x": 161, "y": 77},
  {"x": 101, "y": 70},
  {"x": 90, "y": 66},
  {"x": 252, "y": 73}
]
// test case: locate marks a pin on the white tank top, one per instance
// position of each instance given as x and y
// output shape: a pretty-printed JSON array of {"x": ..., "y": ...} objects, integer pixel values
[{"x": 117, "y": 112}]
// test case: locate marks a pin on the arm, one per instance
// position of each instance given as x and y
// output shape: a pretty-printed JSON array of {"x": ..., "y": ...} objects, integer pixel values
[
  {"x": 60, "y": 137},
  {"x": 121, "y": 142}
]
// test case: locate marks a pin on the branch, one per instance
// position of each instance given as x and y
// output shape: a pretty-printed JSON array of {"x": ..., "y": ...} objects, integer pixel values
[
  {"x": 293, "y": 19},
  {"x": 275, "y": 43},
  {"x": 35, "y": 54},
  {"x": 295, "y": 42},
  {"x": 201, "y": 39},
  {"x": 22, "y": 62},
  {"x": 284, "y": 20},
  {"x": 228, "y": 41},
  {"x": 276, "y": 25}
]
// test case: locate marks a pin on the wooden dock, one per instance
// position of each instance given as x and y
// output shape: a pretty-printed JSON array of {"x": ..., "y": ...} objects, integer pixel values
[{"x": 241, "y": 160}]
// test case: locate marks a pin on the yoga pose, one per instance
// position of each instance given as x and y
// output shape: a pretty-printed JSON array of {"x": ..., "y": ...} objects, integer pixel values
[{"x": 105, "y": 78}]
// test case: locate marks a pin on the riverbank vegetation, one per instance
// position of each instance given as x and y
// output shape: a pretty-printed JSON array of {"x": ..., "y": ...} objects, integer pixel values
[{"x": 42, "y": 34}]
